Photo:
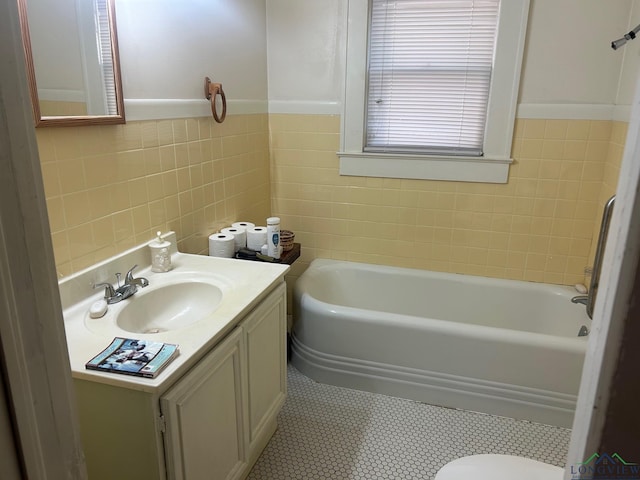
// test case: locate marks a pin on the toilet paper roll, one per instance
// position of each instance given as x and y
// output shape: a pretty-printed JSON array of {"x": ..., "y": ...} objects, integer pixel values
[
  {"x": 245, "y": 225},
  {"x": 239, "y": 235},
  {"x": 256, "y": 237},
  {"x": 222, "y": 245}
]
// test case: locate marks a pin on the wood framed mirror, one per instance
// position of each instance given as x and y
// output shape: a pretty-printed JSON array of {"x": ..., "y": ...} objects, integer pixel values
[{"x": 72, "y": 61}]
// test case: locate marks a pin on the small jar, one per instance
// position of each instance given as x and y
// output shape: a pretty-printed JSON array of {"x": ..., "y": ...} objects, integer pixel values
[
  {"x": 160, "y": 255},
  {"x": 273, "y": 237}
]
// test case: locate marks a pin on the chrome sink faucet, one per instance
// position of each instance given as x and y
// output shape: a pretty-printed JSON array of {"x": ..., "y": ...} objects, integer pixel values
[
  {"x": 114, "y": 295},
  {"x": 130, "y": 280}
]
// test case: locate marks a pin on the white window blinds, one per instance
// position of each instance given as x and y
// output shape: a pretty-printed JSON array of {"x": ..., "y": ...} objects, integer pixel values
[
  {"x": 105, "y": 56},
  {"x": 429, "y": 74}
]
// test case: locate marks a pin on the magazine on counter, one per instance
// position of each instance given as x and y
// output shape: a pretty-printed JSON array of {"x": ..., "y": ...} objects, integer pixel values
[{"x": 130, "y": 356}]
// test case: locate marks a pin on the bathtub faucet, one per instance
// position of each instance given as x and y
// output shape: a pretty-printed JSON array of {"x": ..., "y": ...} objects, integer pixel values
[{"x": 583, "y": 299}]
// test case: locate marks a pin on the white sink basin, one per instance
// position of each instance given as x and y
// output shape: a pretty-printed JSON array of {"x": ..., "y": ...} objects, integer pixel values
[{"x": 169, "y": 307}]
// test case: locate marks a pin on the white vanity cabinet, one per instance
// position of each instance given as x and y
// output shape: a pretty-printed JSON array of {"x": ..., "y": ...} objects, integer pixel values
[
  {"x": 204, "y": 415},
  {"x": 265, "y": 333},
  {"x": 220, "y": 416},
  {"x": 212, "y": 423}
]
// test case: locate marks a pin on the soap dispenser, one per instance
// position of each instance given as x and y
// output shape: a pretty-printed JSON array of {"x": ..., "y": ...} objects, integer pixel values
[{"x": 160, "y": 255}]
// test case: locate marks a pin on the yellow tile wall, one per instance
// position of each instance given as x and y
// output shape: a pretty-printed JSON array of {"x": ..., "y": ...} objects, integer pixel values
[
  {"x": 109, "y": 188},
  {"x": 537, "y": 227},
  {"x": 611, "y": 172}
]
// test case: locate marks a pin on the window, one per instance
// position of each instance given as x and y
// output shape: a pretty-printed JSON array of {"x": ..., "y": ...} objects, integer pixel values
[
  {"x": 427, "y": 94},
  {"x": 97, "y": 61}
]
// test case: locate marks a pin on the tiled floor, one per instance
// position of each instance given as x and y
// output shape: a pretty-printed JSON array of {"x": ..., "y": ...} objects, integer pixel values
[{"x": 328, "y": 432}]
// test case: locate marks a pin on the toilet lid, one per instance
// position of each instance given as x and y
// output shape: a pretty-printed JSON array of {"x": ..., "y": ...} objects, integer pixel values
[{"x": 498, "y": 467}]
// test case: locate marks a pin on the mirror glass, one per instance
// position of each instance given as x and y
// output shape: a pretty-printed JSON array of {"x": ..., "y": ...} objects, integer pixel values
[{"x": 71, "y": 51}]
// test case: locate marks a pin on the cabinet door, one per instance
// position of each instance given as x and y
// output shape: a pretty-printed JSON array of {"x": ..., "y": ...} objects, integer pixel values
[
  {"x": 265, "y": 331},
  {"x": 204, "y": 417}
]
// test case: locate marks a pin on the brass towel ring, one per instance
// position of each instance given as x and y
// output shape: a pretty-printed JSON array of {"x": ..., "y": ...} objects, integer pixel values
[{"x": 211, "y": 91}]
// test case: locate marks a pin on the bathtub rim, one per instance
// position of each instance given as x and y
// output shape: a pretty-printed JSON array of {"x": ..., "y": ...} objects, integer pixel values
[
  {"x": 555, "y": 289},
  {"x": 302, "y": 295}
]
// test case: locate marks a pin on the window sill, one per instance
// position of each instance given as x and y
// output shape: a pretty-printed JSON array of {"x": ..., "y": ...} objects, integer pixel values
[{"x": 461, "y": 169}]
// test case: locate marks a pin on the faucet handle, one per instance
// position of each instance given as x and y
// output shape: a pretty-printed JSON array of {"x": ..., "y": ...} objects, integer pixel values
[
  {"x": 129, "y": 276},
  {"x": 130, "y": 280},
  {"x": 109, "y": 292}
]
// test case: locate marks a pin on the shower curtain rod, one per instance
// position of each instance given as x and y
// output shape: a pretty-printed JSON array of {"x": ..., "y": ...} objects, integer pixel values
[{"x": 616, "y": 44}]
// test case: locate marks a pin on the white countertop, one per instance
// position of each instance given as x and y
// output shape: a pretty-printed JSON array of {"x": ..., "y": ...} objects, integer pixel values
[{"x": 244, "y": 285}]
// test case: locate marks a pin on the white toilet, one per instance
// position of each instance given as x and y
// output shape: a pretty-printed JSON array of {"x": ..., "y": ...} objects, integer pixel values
[{"x": 498, "y": 467}]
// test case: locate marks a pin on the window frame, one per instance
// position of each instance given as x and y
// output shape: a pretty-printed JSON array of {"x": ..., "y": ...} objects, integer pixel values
[{"x": 493, "y": 166}]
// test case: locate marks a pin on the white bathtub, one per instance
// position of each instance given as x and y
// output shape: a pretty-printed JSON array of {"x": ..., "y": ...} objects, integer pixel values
[{"x": 503, "y": 347}]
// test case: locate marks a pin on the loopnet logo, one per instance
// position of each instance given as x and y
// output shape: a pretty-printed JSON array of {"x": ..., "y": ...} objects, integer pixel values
[{"x": 602, "y": 466}]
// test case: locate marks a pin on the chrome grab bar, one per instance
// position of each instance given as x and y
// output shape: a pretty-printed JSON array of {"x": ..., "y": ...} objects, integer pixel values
[{"x": 590, "y": 299}]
